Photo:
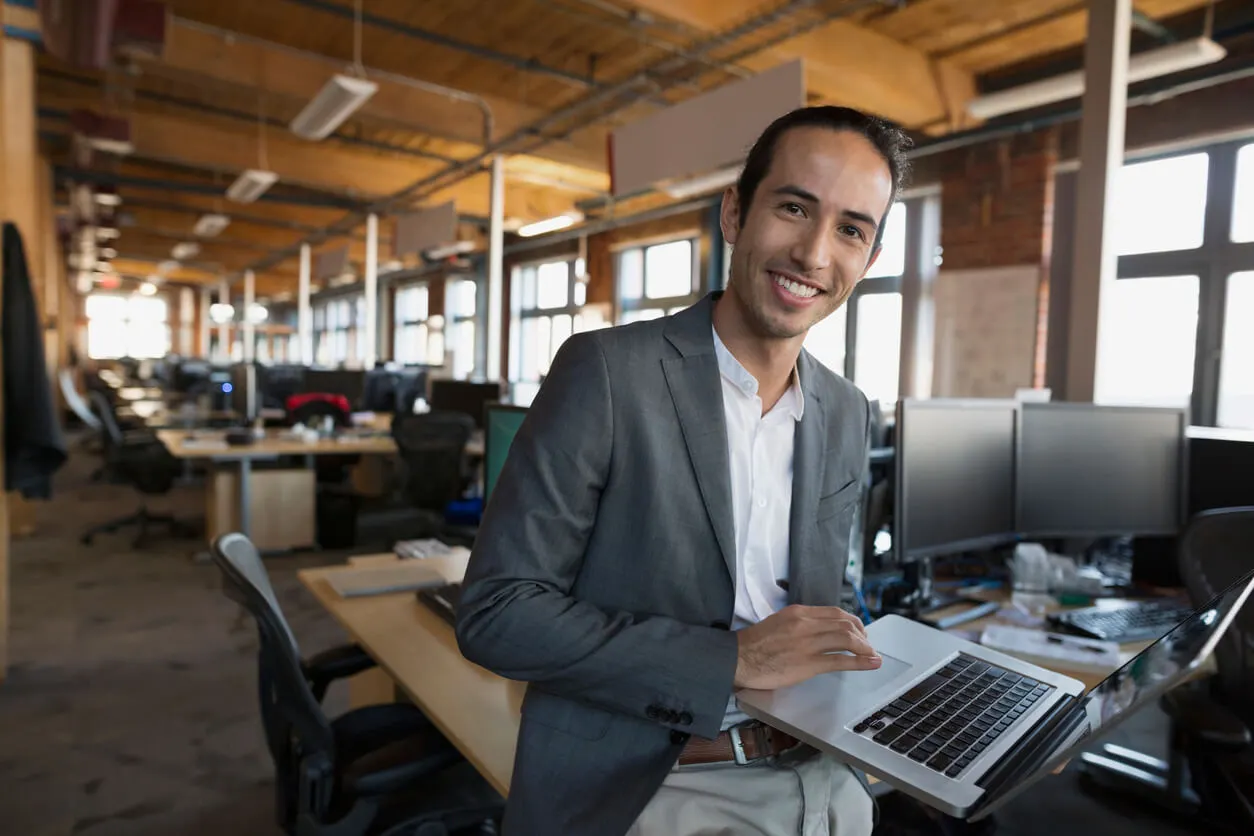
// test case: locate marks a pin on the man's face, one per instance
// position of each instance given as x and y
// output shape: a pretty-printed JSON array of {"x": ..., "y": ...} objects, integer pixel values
[{"x": 807, "y": 238}]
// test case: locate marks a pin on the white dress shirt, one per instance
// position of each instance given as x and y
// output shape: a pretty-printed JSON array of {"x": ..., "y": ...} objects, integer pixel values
[{"x": 760, "y": 451}]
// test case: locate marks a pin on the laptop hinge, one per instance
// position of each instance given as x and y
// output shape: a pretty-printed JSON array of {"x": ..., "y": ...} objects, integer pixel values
[{"x": 1034, "y": 748}]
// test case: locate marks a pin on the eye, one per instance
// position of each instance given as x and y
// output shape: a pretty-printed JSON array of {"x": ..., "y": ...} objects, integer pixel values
[
  {"x": 794, "y": 209},
  {"x": 852, "y": 231}
]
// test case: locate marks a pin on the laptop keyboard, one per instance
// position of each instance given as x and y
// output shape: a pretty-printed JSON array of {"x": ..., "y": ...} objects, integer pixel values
[{"x": 948, "y": 719}]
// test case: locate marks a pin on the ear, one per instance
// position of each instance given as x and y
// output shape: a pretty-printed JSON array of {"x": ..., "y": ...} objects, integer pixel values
[{"x": 729, "y": 215}]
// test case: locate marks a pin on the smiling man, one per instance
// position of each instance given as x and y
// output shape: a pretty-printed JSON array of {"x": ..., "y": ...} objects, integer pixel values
[{"x": 673, "y": 522}]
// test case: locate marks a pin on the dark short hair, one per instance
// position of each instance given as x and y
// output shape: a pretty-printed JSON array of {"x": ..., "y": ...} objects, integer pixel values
[{"x": 889, "y": 140}]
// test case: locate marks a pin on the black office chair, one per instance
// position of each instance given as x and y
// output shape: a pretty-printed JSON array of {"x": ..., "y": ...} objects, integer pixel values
[
  {"x": 374, "y": 770},
  {"x": 139, "y": 459},
  {"x": 432, "y": 448},
  {"x": 1210, "y": 771}
]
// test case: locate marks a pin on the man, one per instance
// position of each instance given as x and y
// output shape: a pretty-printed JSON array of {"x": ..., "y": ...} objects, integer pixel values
[{"x": 673, "y": 522}]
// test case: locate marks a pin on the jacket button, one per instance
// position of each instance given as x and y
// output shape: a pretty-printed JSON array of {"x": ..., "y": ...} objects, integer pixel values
[
  {"x": 685, "y": 719},
  {"x": 720, "y": 625},
  {"x": 679, "y": 738},
  {"x": 672, "y": 716},
  {"x": 653, "y": 712}
]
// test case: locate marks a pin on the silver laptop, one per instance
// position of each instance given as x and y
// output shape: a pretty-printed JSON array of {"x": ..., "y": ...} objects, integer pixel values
[{"x": 964, "y": 728}]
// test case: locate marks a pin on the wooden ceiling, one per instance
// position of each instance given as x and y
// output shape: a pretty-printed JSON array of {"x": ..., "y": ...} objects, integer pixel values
[{"x": 553, "y": 72}]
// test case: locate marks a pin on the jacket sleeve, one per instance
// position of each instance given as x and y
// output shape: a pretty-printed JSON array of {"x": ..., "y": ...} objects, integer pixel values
[{"x": 517, "y": 616}]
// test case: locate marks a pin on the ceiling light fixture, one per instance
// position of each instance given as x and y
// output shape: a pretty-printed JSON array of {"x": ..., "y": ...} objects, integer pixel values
[
  {"x": 250, "y": 185},
  {"x": 185, "y": 250},
  {"x": 210, "y": 226},
  {"x": 1182, "y": 55},
  {"x": 338, "y": 99},
  {"x": 549, "y": 225}
]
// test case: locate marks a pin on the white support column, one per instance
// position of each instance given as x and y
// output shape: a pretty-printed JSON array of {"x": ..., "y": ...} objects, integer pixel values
[
  {"x": 304, "y": 314},
  {"x": 246, "y": 322},
  {"x": 185, "y": 344},
  {"x": 372, "y": 291},
  {"x": 496, "y": 278},
  {"x": 1101, "y": 155},
  {"x": 224, "y": 328},
  {"x": 202, "y": 347}
]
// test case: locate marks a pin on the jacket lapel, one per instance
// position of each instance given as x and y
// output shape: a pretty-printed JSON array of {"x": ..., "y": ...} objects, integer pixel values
[
  {"x": 697, "y": 391},
  {"x": 809, "y": 455}
]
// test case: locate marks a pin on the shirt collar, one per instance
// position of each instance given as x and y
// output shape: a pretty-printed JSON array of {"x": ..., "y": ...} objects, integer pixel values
[{"x": 793, "y": 399}]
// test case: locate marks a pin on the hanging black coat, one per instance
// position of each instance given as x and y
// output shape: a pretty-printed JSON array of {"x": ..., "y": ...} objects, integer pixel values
[{"x": 33, "y": 445}]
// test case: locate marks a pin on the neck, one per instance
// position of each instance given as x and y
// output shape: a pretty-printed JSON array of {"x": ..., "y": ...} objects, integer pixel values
[{"x": 770, "y": 360}]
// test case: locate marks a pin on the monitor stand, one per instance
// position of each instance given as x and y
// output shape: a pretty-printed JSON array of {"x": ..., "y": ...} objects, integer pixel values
[{"x": 915, "y": 596}]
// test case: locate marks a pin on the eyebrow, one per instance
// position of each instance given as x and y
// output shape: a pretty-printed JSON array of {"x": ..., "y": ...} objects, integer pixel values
[{"x": 851, "y": 214}]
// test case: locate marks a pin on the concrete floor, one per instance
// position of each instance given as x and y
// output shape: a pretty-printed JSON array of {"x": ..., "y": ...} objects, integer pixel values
[{"x": 130, "y": 707}]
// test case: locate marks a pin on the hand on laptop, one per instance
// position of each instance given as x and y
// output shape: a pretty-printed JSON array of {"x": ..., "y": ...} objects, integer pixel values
[{"x": 798, "y": 643}]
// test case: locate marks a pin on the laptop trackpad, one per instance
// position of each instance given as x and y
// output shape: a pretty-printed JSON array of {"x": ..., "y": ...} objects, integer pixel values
[{"x": 852, "y": 687}]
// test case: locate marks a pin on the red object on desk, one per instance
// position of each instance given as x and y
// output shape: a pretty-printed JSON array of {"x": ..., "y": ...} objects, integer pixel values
[{"x": 295, "y": 402}]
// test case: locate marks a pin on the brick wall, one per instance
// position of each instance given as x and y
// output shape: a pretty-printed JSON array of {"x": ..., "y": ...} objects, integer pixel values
[{"x": 997, "y": 202}]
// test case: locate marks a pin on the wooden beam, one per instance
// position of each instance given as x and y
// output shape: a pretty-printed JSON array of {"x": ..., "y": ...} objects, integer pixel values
[
  {"x": 845, "y": 63},
  {"x": 204, "y": 53},
  {"x": 230, "y": 147}
]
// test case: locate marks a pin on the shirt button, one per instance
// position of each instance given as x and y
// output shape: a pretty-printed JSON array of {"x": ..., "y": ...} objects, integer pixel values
[{"x": 762, "y": 502}]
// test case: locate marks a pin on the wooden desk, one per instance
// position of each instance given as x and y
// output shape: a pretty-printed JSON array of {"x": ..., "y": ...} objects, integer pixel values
[
  {"x": 284, "y": 500},
  {"x": 476, "y": 710}
]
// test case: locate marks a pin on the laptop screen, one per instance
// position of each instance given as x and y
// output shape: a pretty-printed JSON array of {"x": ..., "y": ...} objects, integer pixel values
[{"x": 1149, "y": 675}]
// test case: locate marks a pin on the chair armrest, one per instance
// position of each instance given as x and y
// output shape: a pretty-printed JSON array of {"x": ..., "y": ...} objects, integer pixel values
[
  {"x": 323, "y": 668},
  {"x": 382, "y": 764},
  {"x": 1205, "y": 720}
]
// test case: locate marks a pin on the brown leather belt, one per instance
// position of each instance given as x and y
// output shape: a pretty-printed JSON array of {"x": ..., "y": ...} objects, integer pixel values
[{"x": 743, "y": 744}]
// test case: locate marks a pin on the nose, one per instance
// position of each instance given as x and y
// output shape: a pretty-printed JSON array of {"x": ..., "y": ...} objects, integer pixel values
[{"x": 812, "y": 251}]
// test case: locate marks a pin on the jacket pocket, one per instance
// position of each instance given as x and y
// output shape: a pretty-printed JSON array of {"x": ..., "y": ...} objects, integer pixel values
[
  {"x": 565, "y": 715},
  {"x": 834, "y": 503}
]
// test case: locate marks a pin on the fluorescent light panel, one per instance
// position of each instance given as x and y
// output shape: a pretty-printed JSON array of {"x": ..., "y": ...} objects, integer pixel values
[
  {"x": 703, "y": 183},
  {"x": 210, "y": 225},
  {"x": 338, "y": 99},
  {"x": 250, "y": 185},
  {"x": 549, "y": 225},
  {"x": 1173, "y": 58}
]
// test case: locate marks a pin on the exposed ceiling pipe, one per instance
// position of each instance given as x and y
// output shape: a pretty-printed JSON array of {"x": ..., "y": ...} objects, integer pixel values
[
  {"x": 104, "y": 177},
  {"x": 532, "y": 136}
]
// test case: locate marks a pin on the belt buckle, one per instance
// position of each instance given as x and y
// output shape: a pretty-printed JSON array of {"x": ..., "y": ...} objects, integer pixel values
[{"x": 738, "y": 746}]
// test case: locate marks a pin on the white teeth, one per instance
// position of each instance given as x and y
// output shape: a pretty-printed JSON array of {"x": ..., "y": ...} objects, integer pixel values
[{"x": 795, "y": 288}]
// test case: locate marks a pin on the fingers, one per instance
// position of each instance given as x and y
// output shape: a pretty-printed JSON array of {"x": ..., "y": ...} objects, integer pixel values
[
  {"x": 837, "y": 642},
  {"x": 831, "y": 614},
  {"x": 842, "y": 662}
]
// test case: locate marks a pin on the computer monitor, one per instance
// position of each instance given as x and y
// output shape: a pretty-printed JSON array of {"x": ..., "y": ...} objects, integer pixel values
[
  {"x": 501, "y": 424},
  {"x": 379, "y": 392},
  {"x": 346, "y": 382},
  {"x": 955, "y": 468},
  {"x": 464, "y": 396},
  {"x": 1086, "y": 470}
]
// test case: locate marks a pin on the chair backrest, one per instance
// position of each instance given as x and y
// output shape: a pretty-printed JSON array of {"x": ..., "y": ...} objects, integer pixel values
[
  {"x": 290, "y": 713},
  {"x": 433, "y": 447},
  {"x": 1217, "y": 550},
  {"x": 110, "y": 430},
  {"x": 75, "y": 401},
  {"x": 311, "y": 412}
]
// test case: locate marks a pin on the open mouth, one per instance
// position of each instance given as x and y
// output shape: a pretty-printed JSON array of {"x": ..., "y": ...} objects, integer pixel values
[{"x": 797, "y": 289}]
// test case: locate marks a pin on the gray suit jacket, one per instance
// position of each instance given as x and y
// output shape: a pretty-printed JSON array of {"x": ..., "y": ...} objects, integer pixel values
[{"x": 603, "y": 571}]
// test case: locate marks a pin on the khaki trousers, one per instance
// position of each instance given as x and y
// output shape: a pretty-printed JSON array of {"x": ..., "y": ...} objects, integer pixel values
[{"x": 800, "y": 793}]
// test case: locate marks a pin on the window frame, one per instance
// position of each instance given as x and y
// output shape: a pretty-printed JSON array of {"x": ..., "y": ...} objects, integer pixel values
[
  {"x": 352, "y": 330},
  {"x": 126, "y": 322},
  {"x": 519, "y": 312},
  {"x": 400, "y": 324},
  {"x": 1218, "y": 258},
  {"x": 624, "y": 307}
]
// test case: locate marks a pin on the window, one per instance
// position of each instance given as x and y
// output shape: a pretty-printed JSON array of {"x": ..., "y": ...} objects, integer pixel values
[
  {"x": 1160, "y": 205},
  {"x": 1236, "y": 376},
  {"x": 339, "y": 326},
  {"x": 127, "y": 326},
  {"x": 1243, "y": 205},
  {"x": 862, "y": 339},
  {"x": 548, "y": 304},
  {"x": 461, "y": 301},
  {"x": 657, "y": 279},
  {"x": 413, "y": 339},
  {"x": 877, "y": 356},
  {"x": 1148, "y": 342}
]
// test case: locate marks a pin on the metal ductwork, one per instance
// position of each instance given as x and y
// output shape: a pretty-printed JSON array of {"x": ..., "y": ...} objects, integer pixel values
[{"x": 89, "y": 33}]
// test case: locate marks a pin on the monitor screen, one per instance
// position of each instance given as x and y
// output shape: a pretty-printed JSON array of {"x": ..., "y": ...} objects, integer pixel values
[
  {"x": 502, "y": 425},
  {"x": 464, "y": 396},
  {"x": 1093, "y": 471},
  {"x": 955, "y": 476}
]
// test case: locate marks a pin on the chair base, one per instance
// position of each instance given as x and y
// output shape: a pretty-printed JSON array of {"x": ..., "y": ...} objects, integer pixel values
[
  {"x": 144, "y": 520},
  {"x": 1127, "y": 771}
]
